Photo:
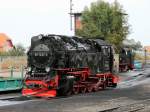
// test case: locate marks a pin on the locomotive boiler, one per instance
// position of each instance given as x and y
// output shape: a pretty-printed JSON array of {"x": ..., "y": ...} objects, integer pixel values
[{"x": 62, "y": 65}]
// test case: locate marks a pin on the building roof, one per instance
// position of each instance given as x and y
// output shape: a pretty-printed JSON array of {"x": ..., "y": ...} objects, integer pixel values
[
  {"x": 3, "y": 39},
  {"x": 147, "y": 48}
]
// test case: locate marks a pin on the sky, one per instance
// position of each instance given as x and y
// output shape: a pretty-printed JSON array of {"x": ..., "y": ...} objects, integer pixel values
[{"x": 22, "y": 19}]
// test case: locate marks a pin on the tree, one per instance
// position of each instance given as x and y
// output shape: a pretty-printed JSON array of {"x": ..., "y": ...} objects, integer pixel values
[
  {"x": 106, "y": 21},
  {"x": 18, "y": 50}
]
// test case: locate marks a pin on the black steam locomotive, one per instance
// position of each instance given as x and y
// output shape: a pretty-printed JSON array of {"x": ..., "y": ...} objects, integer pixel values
[
  {"x": 126, "y": 58},
  {"x": 64, "y": 64}
]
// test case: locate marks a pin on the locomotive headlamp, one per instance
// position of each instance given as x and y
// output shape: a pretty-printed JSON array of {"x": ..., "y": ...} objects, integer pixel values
[
  {"x": 40, "y": 37},
  {"x": 47, "y": 69},
  {"x": 29, "y": 69}
]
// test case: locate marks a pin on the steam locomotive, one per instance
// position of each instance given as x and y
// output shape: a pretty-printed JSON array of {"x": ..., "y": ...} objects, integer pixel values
[
  {"x": 126, "y": 60},
  {"x": 64, "y": 65}
]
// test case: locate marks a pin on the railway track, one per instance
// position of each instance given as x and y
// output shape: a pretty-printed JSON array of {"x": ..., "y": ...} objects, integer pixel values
[
  {"x": 139, "y": 106},
  {"x": 16, "y": 98},
  {"x": 27, "y": 98},
  {"x": 122, "y": 104}
]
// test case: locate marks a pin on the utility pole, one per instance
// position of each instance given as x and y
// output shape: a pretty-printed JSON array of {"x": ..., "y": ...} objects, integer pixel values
[
  {"x": 71, "y": 9},
  {"x": 145, "y": 55}
]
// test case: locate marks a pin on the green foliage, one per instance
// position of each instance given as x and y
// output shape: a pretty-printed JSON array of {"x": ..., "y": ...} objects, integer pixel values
[
  {"x": 106, "y": 21},
  {"x": 18, "y": 50}
]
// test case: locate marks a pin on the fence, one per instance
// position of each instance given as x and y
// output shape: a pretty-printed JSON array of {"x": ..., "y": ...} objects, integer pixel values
[
  {"x": 12, "y": 66},
  {"x": 6, "y": 62},
  {"x": 12, "y": 73}
]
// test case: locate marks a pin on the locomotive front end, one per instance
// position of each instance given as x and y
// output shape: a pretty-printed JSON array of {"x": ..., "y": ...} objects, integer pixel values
[
  {"x": 40, "y": 57},
  {"x": 40, "y": 80}
]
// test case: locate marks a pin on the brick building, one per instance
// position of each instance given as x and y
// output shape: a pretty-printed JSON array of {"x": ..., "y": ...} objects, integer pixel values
[
  {"x": 147, "y": 48},
  {"x": 77, "y": 21},
  {"x": 5, "y": 43}
]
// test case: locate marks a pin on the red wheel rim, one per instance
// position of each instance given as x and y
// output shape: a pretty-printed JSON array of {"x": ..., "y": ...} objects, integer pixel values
[
  {"x": 90, "y": 89},
  {"x": 76, "y": 90},
  {"x": 83, "y": 90},
  {"x": 96, "y": 89}
]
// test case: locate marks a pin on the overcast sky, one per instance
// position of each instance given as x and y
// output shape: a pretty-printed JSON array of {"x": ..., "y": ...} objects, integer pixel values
[{"x": 22, "y": 19}]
